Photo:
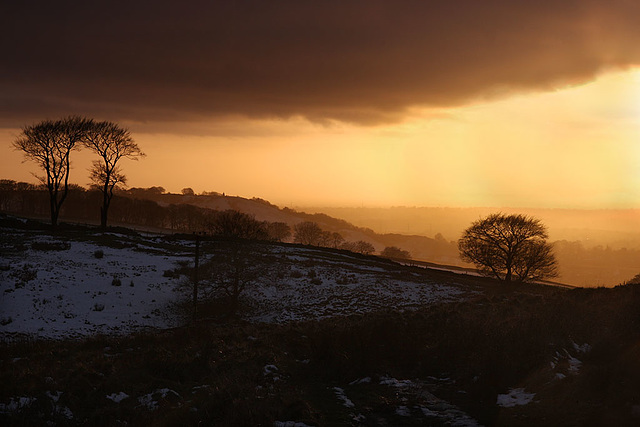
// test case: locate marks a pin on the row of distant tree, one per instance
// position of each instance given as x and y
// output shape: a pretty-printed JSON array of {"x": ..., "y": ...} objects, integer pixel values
[
  {"x": 576, "y": 264},
  {"x": 128, "y": 208},
  {"x": 310, "y": 233},
  {"x": 81, "y": 205}
]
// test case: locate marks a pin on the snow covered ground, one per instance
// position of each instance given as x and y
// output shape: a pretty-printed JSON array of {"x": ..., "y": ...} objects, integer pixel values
[
  {"x": 58, "y": 287},
  {"x": 73, "y": 292},
  {"x": 515, "y": 397},
  {"x": 311, "y": 284}
]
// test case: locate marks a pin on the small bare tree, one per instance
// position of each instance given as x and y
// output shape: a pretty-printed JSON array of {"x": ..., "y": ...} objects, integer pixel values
[
  {"x": 230, "y": 271},
  {"x": 111, "y": 143},
  {"x": 238, "y": 225},
  {"x": 307, "y": 233},
  {"x": 335, "y": 240},
  {"x": 49, "y": 144},
  {"x": 364, "y": 248},
  {"x": 278, "y": 231},
  {"x": 395, "y": 252}
]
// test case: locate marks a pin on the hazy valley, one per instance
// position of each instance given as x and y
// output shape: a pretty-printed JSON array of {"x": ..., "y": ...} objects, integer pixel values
[{"x": 593, "y": 248}]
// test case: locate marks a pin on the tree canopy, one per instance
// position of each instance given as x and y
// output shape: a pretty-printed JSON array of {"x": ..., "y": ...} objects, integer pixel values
[
  {"x": 509, "y": 247},
  {"x": 49, "y": 144},
  {"x": 111, "y": 142},
  {"x": 307, "y": 233},
  {"x": 395, "y": 252}
]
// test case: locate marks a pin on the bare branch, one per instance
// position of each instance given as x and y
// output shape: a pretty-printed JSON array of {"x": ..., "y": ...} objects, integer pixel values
[
  {"x": 49, "y": 144},
  {"x": 112, "y": 143},
  {"x": 507, "y": 246}
]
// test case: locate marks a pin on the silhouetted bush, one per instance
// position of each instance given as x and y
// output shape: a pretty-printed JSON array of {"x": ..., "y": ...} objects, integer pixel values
[{"x": 395, "y": 252}]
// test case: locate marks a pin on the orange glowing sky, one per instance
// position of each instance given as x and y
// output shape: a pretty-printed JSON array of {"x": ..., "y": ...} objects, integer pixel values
[{"x": 547, "y": 116}]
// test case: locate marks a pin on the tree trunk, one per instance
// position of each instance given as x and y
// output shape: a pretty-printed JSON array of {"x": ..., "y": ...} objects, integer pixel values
[
  {"x": 104, "y": 209},
  {"x": 509, "y": 274},
  {"x": 195, "y": 280},
  {"x": 105, "y": 205},
  {"x": 103, "y": 217},
  {"x": 54, "y": 218},
  {"x": 54, "y": 210}
]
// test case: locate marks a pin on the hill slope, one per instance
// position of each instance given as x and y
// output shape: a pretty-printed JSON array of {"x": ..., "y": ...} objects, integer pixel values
[
  {"x": 323, "y": 338},
  {"x": 82, "y": 282}
]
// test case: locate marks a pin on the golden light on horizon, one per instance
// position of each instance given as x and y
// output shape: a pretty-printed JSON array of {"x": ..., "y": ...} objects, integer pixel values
[{"x": 575, "y": 147}]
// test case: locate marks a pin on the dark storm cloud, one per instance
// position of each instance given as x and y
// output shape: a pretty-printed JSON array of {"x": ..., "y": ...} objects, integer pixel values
[{"x": 357, "y": 61}]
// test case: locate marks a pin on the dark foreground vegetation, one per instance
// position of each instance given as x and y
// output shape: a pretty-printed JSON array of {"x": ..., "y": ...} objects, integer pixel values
[{"x": 235, "y": 373}]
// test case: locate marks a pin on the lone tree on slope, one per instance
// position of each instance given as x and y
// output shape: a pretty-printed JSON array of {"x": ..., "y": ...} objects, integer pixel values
[
  {"x": 111, "y": 143},
  {"x": 49, "y": 144},
  {"x": 508, "y": 247}
]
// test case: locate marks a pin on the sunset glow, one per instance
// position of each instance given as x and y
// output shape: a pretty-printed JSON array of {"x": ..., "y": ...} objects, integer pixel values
[
  {"x": 577, "y": 147},
  {"x": 372, "y": 104},
  {"x": 286, "y": 212}
]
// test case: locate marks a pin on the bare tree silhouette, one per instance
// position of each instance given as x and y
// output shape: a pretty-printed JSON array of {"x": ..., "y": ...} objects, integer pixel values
[
  {"x": 235, "y": 224},
  {"x": 49, "y": 144},
  {"x": 537, "y": 261},
  {"x": 395, "y": 252},
  {"x": 111, "y": 143},
  {"x": 278, "y": 231},
  {"x": 335, "y": 240},
  {"x": 363, "y": 247},
  {"x": 307, "y": 233},
  {"x": 505, "y": 246}
]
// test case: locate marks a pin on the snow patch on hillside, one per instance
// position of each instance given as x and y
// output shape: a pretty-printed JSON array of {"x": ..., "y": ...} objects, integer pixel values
[
  {"x": 83, "y": 288},
  {"x": 72, "y": 293},
  {"x": 515, "y": 397}
]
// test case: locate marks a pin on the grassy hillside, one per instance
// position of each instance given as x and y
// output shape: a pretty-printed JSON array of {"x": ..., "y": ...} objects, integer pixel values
[{"x": 489, "y": 354}]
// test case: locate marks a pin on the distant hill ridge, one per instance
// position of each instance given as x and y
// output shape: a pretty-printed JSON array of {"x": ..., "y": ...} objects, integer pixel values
[
  {"x": 420, "y": 247},
  {"x": 593, "y": 247}
]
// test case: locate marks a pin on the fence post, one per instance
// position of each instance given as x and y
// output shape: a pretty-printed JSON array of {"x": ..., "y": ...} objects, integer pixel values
[{"x": 195, "y": 279}]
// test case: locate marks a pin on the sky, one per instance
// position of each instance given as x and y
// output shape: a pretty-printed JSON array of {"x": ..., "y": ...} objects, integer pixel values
[{"x": 333, "y": 103}]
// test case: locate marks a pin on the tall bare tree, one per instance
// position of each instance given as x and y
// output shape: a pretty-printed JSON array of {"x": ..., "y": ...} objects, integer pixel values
[
  {"x": 49, "y": 144},
  {"x": 111, "y": 142},
  {"x": 508, "y": 246}
]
